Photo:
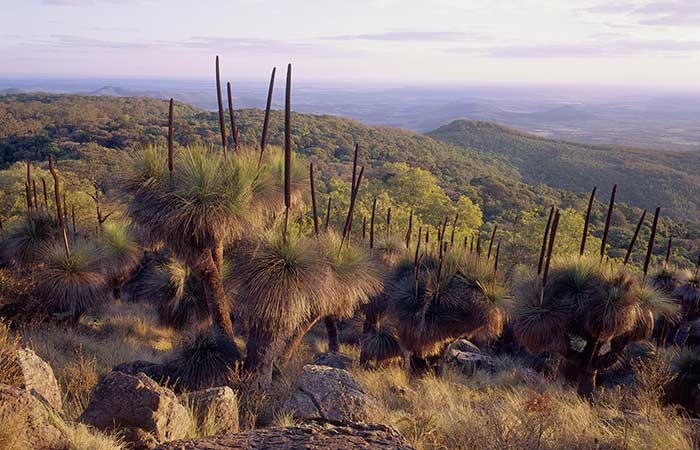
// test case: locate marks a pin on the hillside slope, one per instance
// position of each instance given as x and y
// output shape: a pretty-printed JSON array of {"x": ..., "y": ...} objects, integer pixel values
[
  {"x": 646, "y": 178},
  {"x": 32, "y": 125}
]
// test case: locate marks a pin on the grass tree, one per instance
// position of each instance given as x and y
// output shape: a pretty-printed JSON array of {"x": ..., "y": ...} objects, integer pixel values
[
  {"x": 121, "y": 254},
  {"x": 687, "y": 295},
  {"x": 442, "y": 295},
  {"x": 176, "y": 291},
  {"x": 25, "y": 242},
  {"x": 356, "y": 280},
  {"x": 195, "y": 210},
  {"x": 70, "y": 284},
  {"x": 583, "y": 307},
  {"x": 279, "y": 279}
]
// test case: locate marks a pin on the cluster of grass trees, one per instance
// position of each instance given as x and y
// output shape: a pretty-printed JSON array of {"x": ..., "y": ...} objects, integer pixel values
[{"x": 245, "y": 246}]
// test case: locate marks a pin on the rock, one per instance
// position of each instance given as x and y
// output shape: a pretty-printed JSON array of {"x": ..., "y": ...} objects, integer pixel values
[
  {"x": 330, "y": 394},
  {"x": 34, "y": 419},
  {"x": 333, "y": 359},
  {"x": 340, "y": 436},
  {"x": 218, "y": 404},
  {"x": 466, "y": 362},
  {"x": 464, "y": 345},
  {"x": 140, "y": 405},
  {"x": 36, "y": 376},
  {"x": 160, "y": 373}
]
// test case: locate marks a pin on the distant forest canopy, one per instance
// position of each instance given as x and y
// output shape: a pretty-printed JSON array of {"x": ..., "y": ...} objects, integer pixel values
[{"x": 486, "y": 173}]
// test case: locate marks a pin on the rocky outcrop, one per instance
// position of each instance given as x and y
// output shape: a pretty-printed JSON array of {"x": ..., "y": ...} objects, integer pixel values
[
  {"x": 331, "y": 394},
  {"x": 466, "y": 358},
  {"x": 333, "y": 359},
  {"x": 36, "y": 376},
  {"x": 139, "y": 405},
  {"x": 340, "y": 436},
  {"x": 32, "y": 419},
  {"x": 217, "y": 407}
]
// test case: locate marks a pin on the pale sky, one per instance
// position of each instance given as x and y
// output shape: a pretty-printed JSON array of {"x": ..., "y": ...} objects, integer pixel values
[{"x": 640, "y": 42}]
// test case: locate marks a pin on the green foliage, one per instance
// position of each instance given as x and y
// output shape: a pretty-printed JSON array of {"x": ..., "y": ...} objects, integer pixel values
[{"x": 71, "y": 284}]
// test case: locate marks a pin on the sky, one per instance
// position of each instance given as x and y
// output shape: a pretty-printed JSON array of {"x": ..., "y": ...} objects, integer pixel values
[{"x": 596, "y": 42}]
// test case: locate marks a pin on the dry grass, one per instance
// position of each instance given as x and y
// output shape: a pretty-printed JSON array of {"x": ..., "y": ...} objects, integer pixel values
[
  {"x": 503, "y": 411},
  {"x": 80, "y": 356},
  {"x": 10, "y": 436}
]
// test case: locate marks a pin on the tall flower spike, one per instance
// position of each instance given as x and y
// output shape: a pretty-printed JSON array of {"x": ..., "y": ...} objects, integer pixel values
[
  {"x": 608, "y": 218},
  {"x": 493, "y": 236},
  {"x": 171, "y": 151},
  {"x": 634, "y": 237},
  {"x": 232, "y": 117},
  {"x": 543, "y": 248},
  {"x": 59, "y": 213},
  {"x": 266, "y": 119},
  {"x": 371, "y": 223},
  {"x": 287, "y": 147},
  {"x": 587, "y": 221},
  {"x": 219, "y": 99},
  {"x": 552, "y": 237},
  {"x": 650, "y": 246},
  {"x": 313, "y": 197}
]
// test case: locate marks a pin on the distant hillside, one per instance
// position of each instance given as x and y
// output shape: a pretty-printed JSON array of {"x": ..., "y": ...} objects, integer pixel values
[
  {"x": 32, "y": 125},
  {"x": 646, "y": 178}
]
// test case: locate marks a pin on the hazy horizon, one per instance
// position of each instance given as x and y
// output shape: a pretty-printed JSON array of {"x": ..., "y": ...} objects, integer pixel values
[{"x": 445, "y": 42}]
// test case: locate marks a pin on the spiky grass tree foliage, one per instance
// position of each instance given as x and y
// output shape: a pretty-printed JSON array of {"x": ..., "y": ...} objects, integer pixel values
[
  {"x": 204, "y": 360},
  {"x": 176, "y": 291},
  {"x": 683, "y": 389},
  {"x": 666, "y": 278},
  {"x": 441, "y": 299},
  {"x": 205, "y": 203},
  {"x": 585, "y": 299},
  {"x": 687, "y": 294},
  {"x": 69, "y": 285},
  {"x": 380, "y": 342},
  {"x": 281, "y": 283},
  {"x": 26, "y": 242},
  {"x": 120, "y": 252},
  {"x": 356, "y": 279}
]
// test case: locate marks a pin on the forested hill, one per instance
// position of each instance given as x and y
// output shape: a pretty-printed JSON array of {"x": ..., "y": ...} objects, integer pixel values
[
  {"x": 71, "y": 126},
  {"x": 646, "y": 178},
  {"x": 505, "y": 171}
]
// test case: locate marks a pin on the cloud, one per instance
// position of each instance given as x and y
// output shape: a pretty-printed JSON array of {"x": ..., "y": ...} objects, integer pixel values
[
  {"x": 654, "y": 12},
  {"x": 84, "y": 2},
  {"x": 241, "y": 43},
  {"x": 406, "y": 36},
  {"x": 79, "y": 42},
  {"x": 591, "y": 49}
]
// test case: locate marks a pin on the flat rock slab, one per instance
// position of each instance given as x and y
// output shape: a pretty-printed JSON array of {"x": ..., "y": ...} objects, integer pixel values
[{"x": 310, "y": 436}]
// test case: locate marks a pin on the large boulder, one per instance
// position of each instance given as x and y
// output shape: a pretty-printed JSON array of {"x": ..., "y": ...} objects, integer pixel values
[
  {"x": 139, "y": 405},
  {"x": 326, "y": 436},
  {"x": 217, "y": 407},
  {"x": 331, "y": 394},
  {"x": 36, "y": 376},
  {"x": 29, "y": 420},
  {"x": 333, "y": 359},
  {"x": 161, "y": 373}
]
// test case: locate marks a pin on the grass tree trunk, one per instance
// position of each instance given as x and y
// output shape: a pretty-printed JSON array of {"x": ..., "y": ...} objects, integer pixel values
[
  {"x": 215, "y": 296},
  {"x": 332, "y": 330},
  {"x": 262, "y": 350}
]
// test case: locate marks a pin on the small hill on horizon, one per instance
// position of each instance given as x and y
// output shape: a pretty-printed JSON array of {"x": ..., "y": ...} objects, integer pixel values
[{"x": 647, "y": 178}]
